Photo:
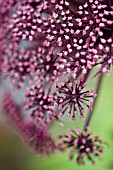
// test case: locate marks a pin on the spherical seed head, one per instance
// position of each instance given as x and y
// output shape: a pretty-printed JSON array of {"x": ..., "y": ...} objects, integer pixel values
[
  {"x": 83, "y": 144},
  {"x": 95, "y": 29},
  {"x": 71, "y": 98},
  {"x": 39, "y": 103},
  {"x": 19, "y": 64},
  {"x": 64, "y": 33}
]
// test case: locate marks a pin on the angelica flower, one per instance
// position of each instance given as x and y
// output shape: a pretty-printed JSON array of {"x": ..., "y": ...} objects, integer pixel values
[{"x": 82, "y": 144}]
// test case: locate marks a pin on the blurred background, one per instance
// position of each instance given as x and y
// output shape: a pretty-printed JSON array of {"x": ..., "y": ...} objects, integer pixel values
[{"x": 14, "y": 155}]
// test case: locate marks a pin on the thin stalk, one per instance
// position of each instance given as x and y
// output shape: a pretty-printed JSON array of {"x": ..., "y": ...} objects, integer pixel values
[{"x": 90, "y": 114}]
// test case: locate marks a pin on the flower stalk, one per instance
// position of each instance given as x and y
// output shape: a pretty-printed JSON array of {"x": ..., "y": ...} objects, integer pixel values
[{"x": 90, "y": 114}]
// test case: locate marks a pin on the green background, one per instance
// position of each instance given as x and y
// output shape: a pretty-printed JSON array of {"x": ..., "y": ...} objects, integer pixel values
[{"x": 14, "y": 155}]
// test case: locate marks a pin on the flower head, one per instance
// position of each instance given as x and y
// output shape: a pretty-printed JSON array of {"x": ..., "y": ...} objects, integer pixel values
[
  {"x": 46, "y": 69},
  {"x": 39, "y": 102},
  {"x": 35, "y": 136},
  {"x": 95, "y": 29},
  {"x": 25, "y": 21},
  {"x": 19, "y": 64},
  {"x": 83, "y": 144},
  {"x": 70, "y": 97}
]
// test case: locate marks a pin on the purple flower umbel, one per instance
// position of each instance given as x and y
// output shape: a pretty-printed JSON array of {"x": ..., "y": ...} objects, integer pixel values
[
  {"x": 35, "y": 136},
  {"x": 39, "y": 102},
  {"x": 82, "y": 144},
  {"x": 70, "y": 97},
  {"x": 49, "y": 49},
  {"x": 19, "y": 67}
]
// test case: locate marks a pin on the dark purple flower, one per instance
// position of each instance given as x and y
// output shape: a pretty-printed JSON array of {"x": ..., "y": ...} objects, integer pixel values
[
  {"x": 60, "y": 28},
  {"x": 95, "y": 30},
  {"x": 25, "y": 22},
  {"x": 40, "y": 103},
  {"x": 70, "y": 97},
  {"x": 82, "y": 36},
  {"x": 46, "y": 69},
  {"x": 19, "y": 64},
  {"x": 44, "y": 42},
  {"x": 82, "y": 144},
  {"x": 35, "y": 136}
]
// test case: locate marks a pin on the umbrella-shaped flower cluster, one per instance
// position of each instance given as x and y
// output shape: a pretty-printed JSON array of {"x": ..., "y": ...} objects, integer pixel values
[{"x": 49, "y": 52}]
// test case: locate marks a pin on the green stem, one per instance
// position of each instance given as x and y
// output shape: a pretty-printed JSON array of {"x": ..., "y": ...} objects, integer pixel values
[{"x": 99, "y": 82}]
